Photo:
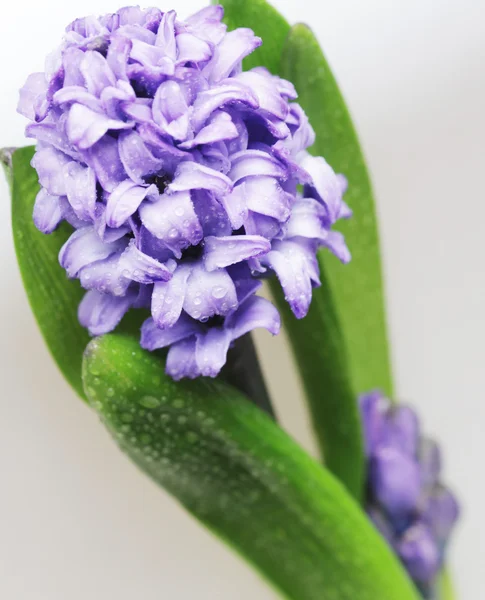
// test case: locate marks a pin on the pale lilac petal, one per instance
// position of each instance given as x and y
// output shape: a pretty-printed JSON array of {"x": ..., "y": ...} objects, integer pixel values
[
  {"x": 217, "y": 97},
  {"x": 209, "y": 294},
  {"x": 49, "y": 133},
  {"x": 325, "y": 182},
  {"x": 192, "y": 49},
  {"x": 105, "y": 159},
  {"x": 79, "y": 95},
  {"x": 206, "y": 24},
  {"x": 125, "y": 199},
  {"x": 181, "y": 360},
  {"x": 153, "y": 338},
  {"x": 265, "y": 195},
  {"x": 117, "y": 57},
  {"x": 101, "y": 313},
  {"x": 84, "y": 247},
  {"x": 170, "y": 111},
  {"x": 250, "y": 163},
  {"x": 193, "y": 176},
  {"x": 97, "y": 73},
  {"x": 308, "y": 219},
  {"x": 229, "y": 53},
  {"x": 85, "y": 127},
  {"x": 211, "y": 214},
  {"x": 211, "y": 351},
  {"x": 268, "y": 95},
  {"x": 220, "y": 252},
  {"x": 235, "y": 205},
  {"x": 258, "y": 224},
  {"x": 32, "y": 96},
  {"x": 137, "y": 159},
  {"x": 255, "y": 312},
  {"x": 80, "y": 184},
  {"x": 49, "y": 164},
  {"x": 166, "y": 35},
  {"x": 168, "y": 297},
  {"x": 137, "y": 266},
  {"x": 47, "y": 212},
  {"x": 220, "y": 128},
  {"x": 172, "y": 219},
  {"x": 105, "y": 276},
  {"x": 335, "y": 242},
  {"x": 295, "y": 268}
]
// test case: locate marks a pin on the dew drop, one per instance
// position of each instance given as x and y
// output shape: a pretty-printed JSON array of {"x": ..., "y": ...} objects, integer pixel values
[
  {"x": 219, "y": 291},
  {"x": 149, "y": 401}
]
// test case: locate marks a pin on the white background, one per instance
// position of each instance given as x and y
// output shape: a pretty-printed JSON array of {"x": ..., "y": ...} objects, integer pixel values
[{"x": 77, "y": 520}]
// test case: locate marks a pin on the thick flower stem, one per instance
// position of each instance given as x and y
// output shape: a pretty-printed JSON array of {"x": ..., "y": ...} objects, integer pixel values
[{"x": 243, "y": 371}]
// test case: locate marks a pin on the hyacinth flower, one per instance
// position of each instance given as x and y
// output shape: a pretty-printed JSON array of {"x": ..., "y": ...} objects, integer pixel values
[
  {"x": 185, "y": 179},
  {"x": 179, "y": 164},
  {"x": 406, "y": 499}
]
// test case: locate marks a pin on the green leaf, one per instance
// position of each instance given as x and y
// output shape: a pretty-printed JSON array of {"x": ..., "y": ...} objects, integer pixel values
[
  {"x": 356, "y": 289},
  {"x": 446, "y": 587},
  {"x": 237, "y": 472},
  {"x": 266, "y": 22},
  {"x": 53, "y": 298}
]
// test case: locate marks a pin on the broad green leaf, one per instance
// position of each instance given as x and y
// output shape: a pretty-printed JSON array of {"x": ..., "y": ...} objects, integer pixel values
[
  {"x": 446, "y": 591},
  {"x": 356, "y": 289},
  {"x": 53, "y": 297},
  {"x": 237, "y": 472},
  {"x": 266, "y": 22}
]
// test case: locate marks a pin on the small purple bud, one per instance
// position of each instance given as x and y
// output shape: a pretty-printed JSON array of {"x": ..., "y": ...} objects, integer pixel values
[
  {"x": 373, "y": 408},
  {"x": 441, "y": 513},
  {"x": 395, "y": 481},
  {"x": 420, "y": 554},
  {"x": 382, "y": 524},
  {"x": 402, "y": 430}
]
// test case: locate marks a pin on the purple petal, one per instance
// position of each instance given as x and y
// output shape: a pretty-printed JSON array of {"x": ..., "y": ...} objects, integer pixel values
[
  {"x": 47, "y": 212},
  {"x": 430, "y": 461},
  {"x": 136, "y": 157},
  {"x": 79, "y": 95},
  {"x": 32, "y": 97},
  {"x": 105, "y": 160},
  {"x": 211, "y": 351},
  {"x": 206, "y": 24},
  {"x": 308, "y": 219},
  {"x": 395, "y": 481},
  {"x": 101, "y": 313},
  {"x": 229, "y": 53},
  {"x": 296, "y": 269},
  {"x": 267, "y": 93},
  {"x": 170, "y": 111},
  {"x": 125, "y": 199},
  {"x": 402, "y": 430},
  {"x": 220, "y": 128},
  {"x": 166, "y": 35},
  {"x": 192, "y": 49},
  {"x": 217, "y": 97},
  {"x": 209, "y": 294},
  {"x": 83, "y": 248},
  {"x": 168, "y": 297},
  {"x": 80, "y": 184},
  {"x": 254, "y": 313},
  {"x": 325, "y": 182},
  {"x": 193, "y": 176},
  {"x": 117, "y": 57},
  {"x": 172, "y": 219},
  {"x": 137, "y": 266},
  {"x": 373, "y": 409},
  {"x": 235, "y": 206},
  {"x": 96, "y": 72},
  {"x": 220, "y": 252},
  {"x": 105, "y": 276},
  {"x": 250, "y": 163},
  {"x": 49, "y": 164},
  {"x": 335, "y": 242},
  {"x": 85, "y": 127},
  {"x": 181, "y": 360},
  {"x": 419, "y": 553},
  {"x": 441, "y": 513},
  {"x": 153, "y": 338},
  {"x": 211, "y": 214},
  {"x": 50, "y": 133},
  {"x": 265, "y": 195}
]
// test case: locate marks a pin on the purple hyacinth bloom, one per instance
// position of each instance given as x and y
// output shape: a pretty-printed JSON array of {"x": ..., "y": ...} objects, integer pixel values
[
  {"x": 185, "y": 179},
  {"x": 406, "y": 501}
]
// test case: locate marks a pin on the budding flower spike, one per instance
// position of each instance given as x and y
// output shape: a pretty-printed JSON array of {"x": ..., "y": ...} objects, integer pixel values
[
  {"x": 186, "y": 180},
  {"x": 406, "y": 499}
]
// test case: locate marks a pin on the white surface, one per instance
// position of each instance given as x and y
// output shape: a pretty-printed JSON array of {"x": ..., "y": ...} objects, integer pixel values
[{"x": 76, "y": 519}]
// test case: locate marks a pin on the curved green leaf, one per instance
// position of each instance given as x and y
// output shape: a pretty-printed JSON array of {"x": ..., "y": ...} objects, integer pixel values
[
  {"x": 446, "y": 591},
  {"x": 357, "y": 289},
  {"x": 242, "y": 476},
  {"x": 53, "y": 298},
  {"x": 266, "y": 22}
]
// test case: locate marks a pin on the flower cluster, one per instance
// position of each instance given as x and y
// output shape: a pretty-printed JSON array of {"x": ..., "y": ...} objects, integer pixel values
[
  {"x": 406, "y": 500},
  {"x": 186, "y": 180}
]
